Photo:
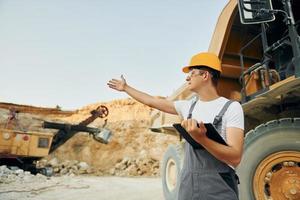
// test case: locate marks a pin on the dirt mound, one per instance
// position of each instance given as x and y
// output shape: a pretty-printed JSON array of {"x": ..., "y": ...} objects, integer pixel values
[{"x": 129, "y": 122}]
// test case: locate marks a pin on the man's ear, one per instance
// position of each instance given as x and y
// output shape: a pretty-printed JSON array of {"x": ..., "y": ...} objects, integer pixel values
[{"x": 206, "y": 75}]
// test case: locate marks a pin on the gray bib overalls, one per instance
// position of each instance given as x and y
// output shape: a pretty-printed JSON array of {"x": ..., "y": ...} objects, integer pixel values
[{"x": 203, "y": 177}]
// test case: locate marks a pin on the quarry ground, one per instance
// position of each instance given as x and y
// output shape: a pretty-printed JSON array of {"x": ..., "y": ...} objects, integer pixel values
[{"x": 85, "y": 187}]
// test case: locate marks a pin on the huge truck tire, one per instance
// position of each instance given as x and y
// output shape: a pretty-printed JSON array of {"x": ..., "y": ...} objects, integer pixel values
[
  {"x": 270, "y": 168},
  {"x": 170, "y": 170}
]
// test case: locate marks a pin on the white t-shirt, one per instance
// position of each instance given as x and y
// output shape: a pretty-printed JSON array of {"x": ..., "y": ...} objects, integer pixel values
[{"x": 206, "y": 111}]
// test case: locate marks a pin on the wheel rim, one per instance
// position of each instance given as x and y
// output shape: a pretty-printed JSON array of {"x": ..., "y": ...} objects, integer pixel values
[
  {"x": 277, "y": 177},
  {"x": 171, "y": 174}
]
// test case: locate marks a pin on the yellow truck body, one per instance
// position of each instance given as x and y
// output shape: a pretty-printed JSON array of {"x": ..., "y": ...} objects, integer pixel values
[{"x": 261, "y": 70}]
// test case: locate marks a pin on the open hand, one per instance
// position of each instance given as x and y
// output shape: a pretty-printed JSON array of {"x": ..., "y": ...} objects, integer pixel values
[{"x": 116, "y": 84}]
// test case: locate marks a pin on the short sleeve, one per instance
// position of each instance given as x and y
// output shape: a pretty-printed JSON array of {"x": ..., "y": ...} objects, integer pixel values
[
  {"x": 235, "y": 116},
  {"x": 181, "y": 107}
]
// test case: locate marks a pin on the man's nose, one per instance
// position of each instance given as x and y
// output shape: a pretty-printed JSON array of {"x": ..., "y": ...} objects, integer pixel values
[{"x": 188, "y": 78}]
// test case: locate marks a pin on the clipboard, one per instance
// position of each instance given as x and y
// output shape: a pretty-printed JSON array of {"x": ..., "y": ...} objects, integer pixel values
[{"x": 211, "y": 133}]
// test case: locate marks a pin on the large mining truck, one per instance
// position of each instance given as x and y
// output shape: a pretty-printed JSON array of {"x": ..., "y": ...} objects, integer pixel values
[
  {"x": 258, "y": 44},
  {"x": 21, "y": 147}
]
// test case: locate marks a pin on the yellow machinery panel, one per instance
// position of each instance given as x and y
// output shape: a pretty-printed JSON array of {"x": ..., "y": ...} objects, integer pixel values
[{"x": 18, "y": 143}]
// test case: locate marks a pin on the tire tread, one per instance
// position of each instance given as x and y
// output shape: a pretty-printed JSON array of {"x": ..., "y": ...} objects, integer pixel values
[{"x": 283, "y": 123}]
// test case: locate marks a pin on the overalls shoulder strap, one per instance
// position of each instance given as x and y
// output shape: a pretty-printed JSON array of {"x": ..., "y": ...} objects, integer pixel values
[
  {"x": 218, "y": 118},
  {"x": 192, "y": 107}
]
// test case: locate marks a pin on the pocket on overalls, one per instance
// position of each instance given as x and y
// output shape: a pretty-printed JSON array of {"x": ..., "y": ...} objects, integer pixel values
[
  {"x": 210, "y": 185},
  {"x": 229, "y": 179}
]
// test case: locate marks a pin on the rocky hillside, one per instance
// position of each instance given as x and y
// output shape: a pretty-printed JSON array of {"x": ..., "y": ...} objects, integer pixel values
[{"x": 133, "y": 150}]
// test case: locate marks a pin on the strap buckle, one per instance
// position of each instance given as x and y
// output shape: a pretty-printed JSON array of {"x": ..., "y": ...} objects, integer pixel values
[{"x": 217, "y": 120}]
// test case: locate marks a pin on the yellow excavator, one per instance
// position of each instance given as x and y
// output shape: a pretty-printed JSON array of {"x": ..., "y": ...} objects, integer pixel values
[
  {"x": 259, "y": 45},
  {"x": 21, "y": 147}
]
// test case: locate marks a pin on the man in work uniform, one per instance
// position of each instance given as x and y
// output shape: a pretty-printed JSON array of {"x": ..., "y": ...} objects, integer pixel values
[{"x": 207, "y": 174}]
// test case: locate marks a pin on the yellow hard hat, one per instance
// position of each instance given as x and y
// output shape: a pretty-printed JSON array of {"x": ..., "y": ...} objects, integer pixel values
[{"x": 206, "y": 59}]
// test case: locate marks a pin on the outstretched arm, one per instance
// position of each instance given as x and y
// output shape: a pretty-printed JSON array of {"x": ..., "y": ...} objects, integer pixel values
[{"x": 160, "y": 104}]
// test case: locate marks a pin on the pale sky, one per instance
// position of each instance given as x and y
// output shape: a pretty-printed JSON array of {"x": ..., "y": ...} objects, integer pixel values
[{"x": 63, "y": 52}]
